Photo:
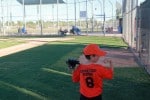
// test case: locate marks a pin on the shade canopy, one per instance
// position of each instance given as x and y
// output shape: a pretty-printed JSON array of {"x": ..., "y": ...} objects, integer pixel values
[{"x": 37, "y": 2}]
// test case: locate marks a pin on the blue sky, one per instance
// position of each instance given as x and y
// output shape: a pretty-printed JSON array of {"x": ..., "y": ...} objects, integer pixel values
[{"x": 49, "y": 12}]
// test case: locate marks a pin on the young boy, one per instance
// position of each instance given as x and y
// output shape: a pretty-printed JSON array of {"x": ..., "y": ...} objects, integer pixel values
[{"x": 91, "y": 75}]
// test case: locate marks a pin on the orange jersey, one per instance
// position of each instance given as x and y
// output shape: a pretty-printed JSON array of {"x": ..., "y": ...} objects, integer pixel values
[{"x": 91, "y": 77}]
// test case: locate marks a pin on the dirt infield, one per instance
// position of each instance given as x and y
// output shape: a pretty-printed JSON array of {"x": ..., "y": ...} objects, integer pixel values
[
  {"x": 31, "y": 43},
  {"x": 122, "y": 57}
]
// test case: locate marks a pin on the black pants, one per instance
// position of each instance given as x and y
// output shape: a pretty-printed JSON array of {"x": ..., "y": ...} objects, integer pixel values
[{"x": 82, "y": 97}]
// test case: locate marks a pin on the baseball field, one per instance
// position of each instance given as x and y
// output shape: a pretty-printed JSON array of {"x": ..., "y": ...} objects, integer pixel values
[
  {"x": 7, "y": 42},
  {"x": 40, "y": 73}
]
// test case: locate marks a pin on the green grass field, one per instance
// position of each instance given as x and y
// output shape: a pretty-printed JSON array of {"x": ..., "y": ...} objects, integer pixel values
[
  {"x": 8, "y": 42},
  {"x": 41, "y": 73}
]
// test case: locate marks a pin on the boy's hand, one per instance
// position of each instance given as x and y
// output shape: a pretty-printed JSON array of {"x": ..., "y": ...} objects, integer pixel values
[{"x": 107, "y": 61}]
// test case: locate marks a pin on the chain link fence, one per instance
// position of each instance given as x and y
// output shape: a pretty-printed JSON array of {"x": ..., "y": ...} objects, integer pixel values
[
  {"x": 144, "y": 41},
  {"x": 136, "y": 31},
  {"x": 129, "y": 22},
  {"x": 46, "y": 19}
]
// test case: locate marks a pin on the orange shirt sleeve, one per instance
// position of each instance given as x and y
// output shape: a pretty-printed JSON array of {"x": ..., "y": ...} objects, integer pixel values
[
  {"x": 107, "y": 73},
  {"x": 76, "y": 75}
]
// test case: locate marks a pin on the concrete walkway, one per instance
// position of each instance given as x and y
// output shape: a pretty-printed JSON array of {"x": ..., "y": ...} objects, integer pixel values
[{"x": 31, "y": 43}]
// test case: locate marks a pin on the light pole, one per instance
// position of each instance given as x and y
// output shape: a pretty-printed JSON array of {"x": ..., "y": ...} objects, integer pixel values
[
  {"x": 41, "y": 23},
  {"x": 101, "y": 9},
  {"x": 53, "y": 16},
  {"x": 7, "y": 16},
  {"x": 86, "y": 20},
  {"x": 57, "y": 15},
  {"x": 112, "y": 12},
  {"x": 67, "y": 15},
  {"x": 24, "y": 15},
  {"x": 100, "y": 5},
  {"x": 92, "y": 13},
  {"x": 37, "y": 7},
  {"x": 104, "y": 17},
  {"x": 79, "y": 12},
  {"x": 92, "y": 17},
  {"x": 2, "y": 12},
  {"x": 75, "y": 11}
]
